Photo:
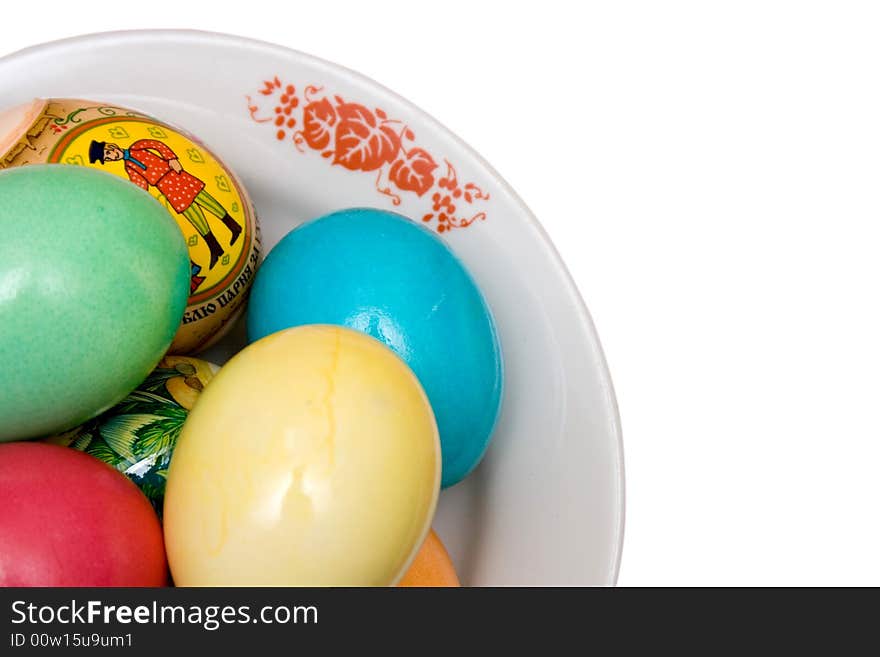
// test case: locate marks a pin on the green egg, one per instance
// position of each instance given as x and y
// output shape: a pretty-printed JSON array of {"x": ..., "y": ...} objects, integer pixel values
[{"x": 94, "y": 279}]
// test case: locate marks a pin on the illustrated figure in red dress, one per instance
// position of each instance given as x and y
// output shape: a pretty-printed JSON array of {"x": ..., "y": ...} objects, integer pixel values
[{"x": 151, "y": 163}]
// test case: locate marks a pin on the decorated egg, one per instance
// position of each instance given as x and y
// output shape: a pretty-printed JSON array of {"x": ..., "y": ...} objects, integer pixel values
[
  {"x": 137, "y": 436},
  {"x": 69, "y": 520},
  {"x": 205, "y": 198},
  {"x": 378, "y": 272},
  {"x": 312, "y": 459},
  {"x": 94, "y": 277},
  {"x": 432, "y": 566}
]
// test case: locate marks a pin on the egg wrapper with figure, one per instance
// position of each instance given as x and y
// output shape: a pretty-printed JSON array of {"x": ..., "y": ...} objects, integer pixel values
[{"x": 204, "y": 196}]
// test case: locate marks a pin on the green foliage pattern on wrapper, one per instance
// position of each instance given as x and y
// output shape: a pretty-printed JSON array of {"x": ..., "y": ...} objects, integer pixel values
[{"x": 138, "y": 435}]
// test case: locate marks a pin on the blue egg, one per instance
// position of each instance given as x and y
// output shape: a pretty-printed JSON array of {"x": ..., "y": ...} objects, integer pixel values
[{"x": 382, "y": 274}]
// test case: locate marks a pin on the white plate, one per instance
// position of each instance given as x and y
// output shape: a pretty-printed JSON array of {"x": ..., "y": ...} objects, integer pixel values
[{"x": 546, "y": 505}]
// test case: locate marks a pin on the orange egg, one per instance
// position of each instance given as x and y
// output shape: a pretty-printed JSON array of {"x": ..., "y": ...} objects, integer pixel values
[{"x": 432, "y": 566}]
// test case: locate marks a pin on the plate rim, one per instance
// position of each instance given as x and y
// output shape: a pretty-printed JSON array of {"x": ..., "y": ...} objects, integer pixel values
[{"x": 586, "y": 324}]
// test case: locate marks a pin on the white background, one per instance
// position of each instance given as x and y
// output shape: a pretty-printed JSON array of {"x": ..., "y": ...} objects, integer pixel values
[{"x": 710, "y": 173}]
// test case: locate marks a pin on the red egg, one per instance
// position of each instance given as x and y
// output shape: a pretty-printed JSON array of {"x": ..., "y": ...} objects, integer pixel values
[{"x": 67, "y": 519}]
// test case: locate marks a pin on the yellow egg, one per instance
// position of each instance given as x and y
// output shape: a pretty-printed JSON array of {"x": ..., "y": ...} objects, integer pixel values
[{"x": 312, "y": 459}]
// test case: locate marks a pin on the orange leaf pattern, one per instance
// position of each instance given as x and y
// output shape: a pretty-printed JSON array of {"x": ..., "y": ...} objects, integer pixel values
[
  {"x": 363, "y": 144},
  {"x": 319, "y": 117},
  {"x": 361, "y": 139},
  {"x": 414, "y": 171}
]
